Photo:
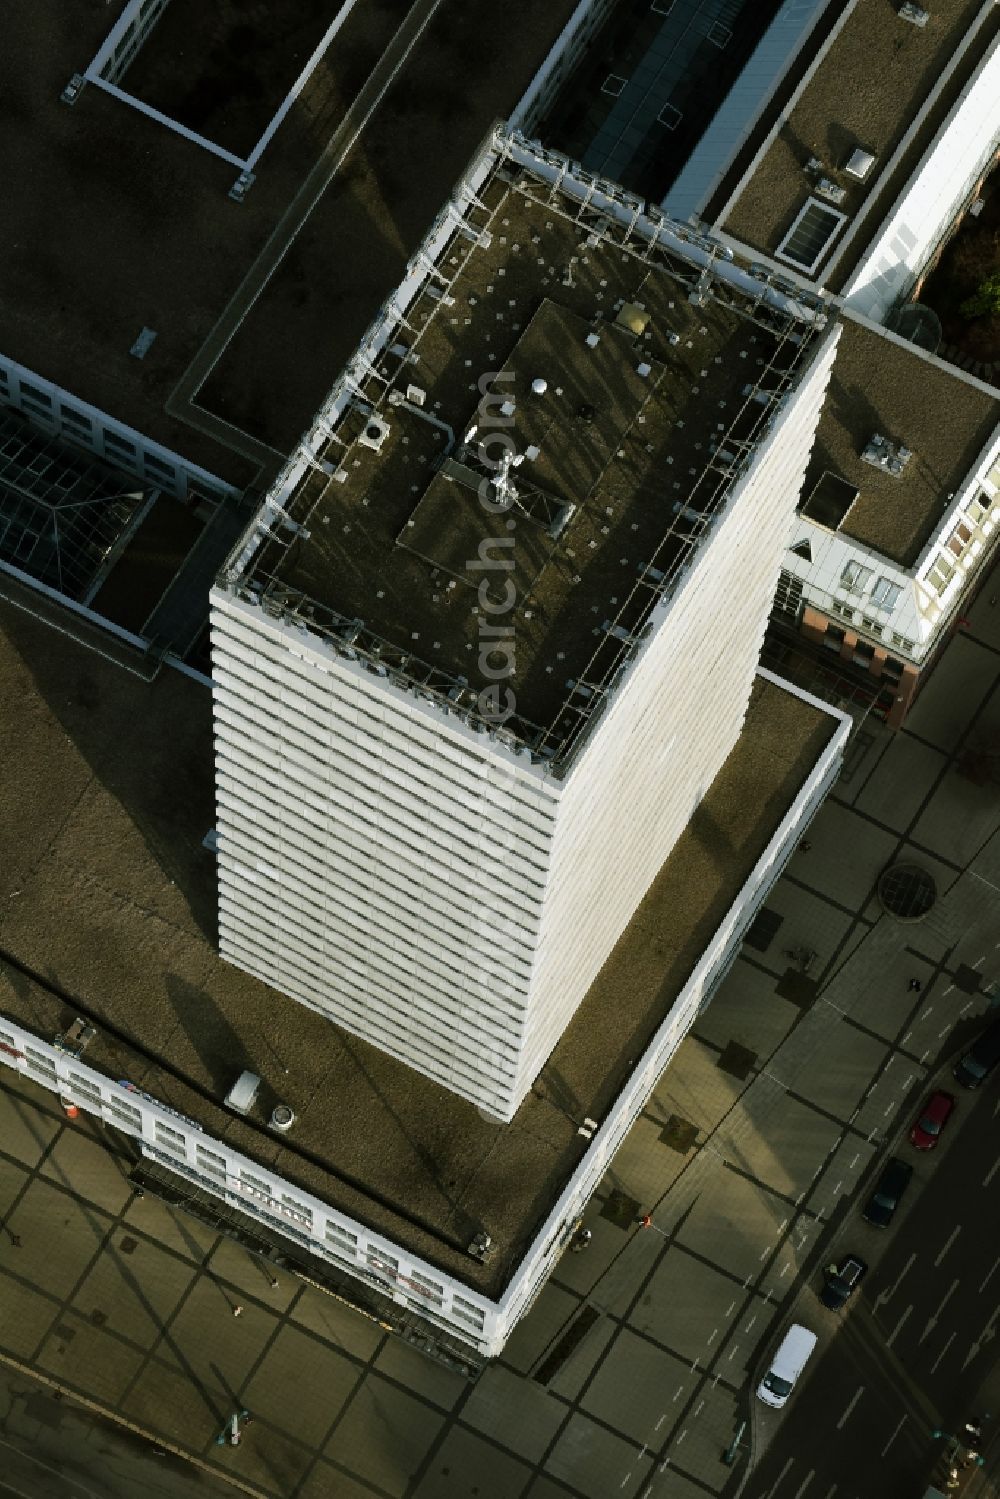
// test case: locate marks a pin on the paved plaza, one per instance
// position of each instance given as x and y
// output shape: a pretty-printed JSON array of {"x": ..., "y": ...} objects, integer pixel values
[{"x": 632, "y": 1372}]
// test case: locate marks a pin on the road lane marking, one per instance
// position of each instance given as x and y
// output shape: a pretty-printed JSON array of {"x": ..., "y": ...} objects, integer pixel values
[
  {"x": 989, "y": 1274},
  {"x": 991, "y": 1173},
  {"x": 830, "y": 1491},
  {"x": 948, "y": 1243},
  {"x": 731, "y": 1308},
  {"x": 898, "y": 1328},
  {"x": 895, "y": 1434},
  {"x": 851, "y": 1404},
  {"x": 805, "y": 1483},
  {"x": 775, "y": 1485},
  {"x": 883, "y": 1296},
  {"x": 933, "y": 1321},
  {"x": 941, "y": 1355},
  {"x": 680, "y": 1392}
]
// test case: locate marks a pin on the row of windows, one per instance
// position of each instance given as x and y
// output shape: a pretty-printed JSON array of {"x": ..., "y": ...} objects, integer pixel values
[
  {"x": 885, "y": 594},
  {"x": 214, "y": 1165}
]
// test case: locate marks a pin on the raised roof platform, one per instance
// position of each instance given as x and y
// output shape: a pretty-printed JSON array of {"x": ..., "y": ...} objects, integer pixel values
[
  {"x": 105, "y": 795},
  {"x": 880, "y": 384},
  {"x": 865, "y": 92}
]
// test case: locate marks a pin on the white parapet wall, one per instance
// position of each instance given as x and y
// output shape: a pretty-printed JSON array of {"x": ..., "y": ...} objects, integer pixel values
[
  {"x": 567, "y": 50},
  {"x": 939, "y": 188},
  {"x": 347, "y": 1245}
]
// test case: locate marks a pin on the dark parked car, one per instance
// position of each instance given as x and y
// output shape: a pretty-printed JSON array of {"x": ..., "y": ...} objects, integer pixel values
[
  {"x": 841, "y": 1281},
  {"x": 931, "y": 1120},
  {"x": 891, "y": 1185},
  {"x": 981, "y": 1058}
]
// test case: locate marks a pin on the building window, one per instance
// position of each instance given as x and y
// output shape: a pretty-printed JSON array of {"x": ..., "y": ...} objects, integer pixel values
[
  {"x": 35, "y": 396},
  {"x": 871, "y": 625},
  {"x": 464, "y": 1311},
  {"x": 40, "y": 1063},
  {"x": 77, "y": 421},
  {"x": 383, "y": 1264},
  {"x": 940, "y": 575},
  {"x": 125, "y": 1115},
  {"x": 119, "y": 444},
  {"x": 214, "y": 1165},
  {"x": 297, "y": 1211},
  {"x": 613, "y": 85},
  {"x": 886, "y": 593},
  {"x": 855, "y": 576},
  {"x": 84, "y": 1087},
  {"x": 170, "y": 1139},
  {"x": 788, "y": 598},
  {"x": 834, "y": 637},
  {"x": 428, "y": 1289},
  {"x": 842, "y": 609},
  {"x": 342, "y": 1239},
  {"x": 902, "y": 642},
  {"x": 892, "y": 668},
  {"x": 864, "y": 654}
]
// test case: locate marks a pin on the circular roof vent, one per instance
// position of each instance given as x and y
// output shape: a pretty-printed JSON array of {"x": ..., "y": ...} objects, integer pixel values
[
  {"x": 282, "y": 1117},
  {"x": 906, "y": 892}
]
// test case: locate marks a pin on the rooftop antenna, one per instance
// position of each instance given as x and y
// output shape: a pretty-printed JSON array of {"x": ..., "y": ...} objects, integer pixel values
[{"x": 506, "y": 493}]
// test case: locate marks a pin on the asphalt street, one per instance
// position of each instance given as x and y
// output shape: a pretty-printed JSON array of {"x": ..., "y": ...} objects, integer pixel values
[{"x": 913, "y": 1352}]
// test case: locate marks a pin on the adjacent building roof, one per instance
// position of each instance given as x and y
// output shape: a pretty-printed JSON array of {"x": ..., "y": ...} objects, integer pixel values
[
  {"x": 114, "y": 223},
  {"x": 882, "y": 385},
  {"x": 866, "y": 92},
  {"x": 105, "y": 796}
]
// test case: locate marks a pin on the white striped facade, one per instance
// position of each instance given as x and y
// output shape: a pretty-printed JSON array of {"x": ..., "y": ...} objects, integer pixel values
[{"x": 437, "y": 892}]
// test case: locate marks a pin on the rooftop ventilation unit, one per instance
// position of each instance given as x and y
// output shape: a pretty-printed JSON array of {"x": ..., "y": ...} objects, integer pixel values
[
  {"x": 830, "y": 190},
  {"x": 814, "y": 167},
  {"x": 375, "y": 432},
  {"x": 481, "y": 1247},
  {"x": 242, "y": 1095},
  {"x": 890, "y": 457},
  {"x": 859, "y": 163},
  {"x": 915, "y": 14},
  {"x": 633, "y": 317}
]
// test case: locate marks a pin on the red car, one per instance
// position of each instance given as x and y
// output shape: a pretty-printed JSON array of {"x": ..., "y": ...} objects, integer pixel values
[{"x": 933, "y": 1117}]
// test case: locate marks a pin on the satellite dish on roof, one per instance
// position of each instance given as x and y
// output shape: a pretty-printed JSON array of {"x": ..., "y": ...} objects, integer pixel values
[{"x": 918, "y": 324}]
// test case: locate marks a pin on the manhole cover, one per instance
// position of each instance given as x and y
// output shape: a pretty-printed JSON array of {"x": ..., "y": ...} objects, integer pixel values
[{"x": 907, "y": 892}]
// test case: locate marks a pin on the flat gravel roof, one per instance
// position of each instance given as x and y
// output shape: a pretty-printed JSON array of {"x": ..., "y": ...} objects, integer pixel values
[{"x": 107, "y": 895}]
